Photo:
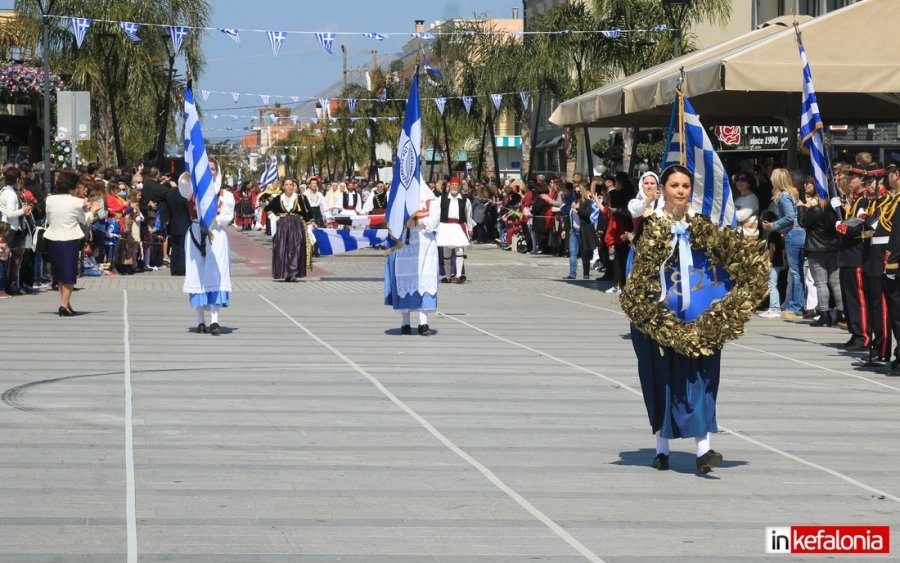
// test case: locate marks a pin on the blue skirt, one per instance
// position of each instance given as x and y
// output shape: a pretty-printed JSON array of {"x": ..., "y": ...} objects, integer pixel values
[
  {"x": 221, "y": 298},
  {"x": 64, "y": 259},
  {"x": 679, "y": 391}
]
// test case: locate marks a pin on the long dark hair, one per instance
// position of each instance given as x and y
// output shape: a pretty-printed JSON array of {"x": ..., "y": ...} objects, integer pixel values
[
  {"x": 674, "y": 168},
  {"x": 66, "y": 181}
]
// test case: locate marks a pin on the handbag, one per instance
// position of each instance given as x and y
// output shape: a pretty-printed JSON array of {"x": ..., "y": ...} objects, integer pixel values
[{"x": 39, "y": 243}]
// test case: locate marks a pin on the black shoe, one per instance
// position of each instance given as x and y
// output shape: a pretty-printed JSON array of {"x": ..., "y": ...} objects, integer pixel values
[
  {"x": 660, "y": 462},
  {"x": 214, "y": 329},
  {"x": 892, "y": 369},
  {"x": 63, "y": 312},
  {"x": 856, "y": 347},
  {"x": 823, "y": 319},
  {"x": 707, "y": 461},
  {"x": 201, "y": 328},
  {"x": 424, "y": 330},
  {"x": 405, "y": 329}
]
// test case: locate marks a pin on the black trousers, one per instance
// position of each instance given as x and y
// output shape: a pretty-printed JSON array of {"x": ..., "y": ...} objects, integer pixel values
[
  {"x": 891, "y": 288},
  {"x": 855, "y": 305},
  {"x": 176, "y": 255},
  {"x": 879, "y": 317}
]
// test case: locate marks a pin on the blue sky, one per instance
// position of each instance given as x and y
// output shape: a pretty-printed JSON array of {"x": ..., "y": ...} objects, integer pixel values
[{"x": 303, "y": 68}]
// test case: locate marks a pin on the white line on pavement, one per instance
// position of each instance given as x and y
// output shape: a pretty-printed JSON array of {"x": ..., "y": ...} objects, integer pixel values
[
  {"x": 795, "y": 360},
  {"x": 496, "y": 481},
  {"x": 131, "y": 519},
  {"x": 634, "y": 391}
]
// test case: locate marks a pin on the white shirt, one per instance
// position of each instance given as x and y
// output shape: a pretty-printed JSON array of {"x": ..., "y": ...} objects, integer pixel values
[
  {"x": 315, "y": 198},
  {"x": 10, "y": 207}
]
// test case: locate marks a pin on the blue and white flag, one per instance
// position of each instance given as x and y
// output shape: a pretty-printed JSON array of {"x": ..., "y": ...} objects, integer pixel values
[
  {"x": 235, "y": 96},
  {"x": 612, "y": 33},
  {"x": 659, "y": 28},
  {"x": 196, "y": 163},
  {"x": 314, "y": 120},
  {"x": 295, "y": 99},
  {"x": 177, "y": 33},
  {"x": 368, "y": 132},
  {"x": 595, "y": 212},
  {"x": 294, "y": 119},
  {"x": 79, "y": 28},
  {"x": 240, "y": 178},
  {"x": 467, "y": 103},
  {"x": 423, "y": 35},
  {"x": 408, "y": 189},
  {"x": 434, "y": 73},
  {"x": 382, "y": 96},
  {"x": 326, "y": 107},
  {"x": 276, "y": 40},
  {"x": 340, "y": 241},
  {"x": 232, "y": 33},
  {"x": 270, "y": 174},
  {"x": 376, "y": 36},
  {"x": 497, "y": 99},
  {"x": 812, "y": 132},
  {"x": 264, "y": 98},
  {"x": 131, "y": 29},
  {"x": 712, "y": 190},
  {"x": 326, "y": 40},
  {"x": 525, "y": 97},
  {"x": 273, "y": 118},
  {"x": 351, "y": 105},
  {"x": 441, "y": 103},
  {"x": 205, "y": 95}
]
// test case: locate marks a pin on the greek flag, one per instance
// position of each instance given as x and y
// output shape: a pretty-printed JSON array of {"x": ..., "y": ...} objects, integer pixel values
[
  {"x": 295, "y": 99},
  {"x": 196, "y": 163},
  {"x": 235, "y": 96},
  {"x": 434, "y": 73},
  {"x": 595, "y": 212},
  {"x": 497, "y": 99},
  {"x": 79, "y": 28},
  {"x": 177, "y": 33},
  {"x": 340, "y": 241},
  {"x": 467, "y": 103},
  {"x": 232, "y": 33},
  {"x": 376, "y": 36},
  {"x": 441, "y": 103},
  {"x": 326, "y": 106},
  {"x": 270, "y": 174},
  {"x": 240, "y": 178},
  {"x": 658, "y": 28},
  {"x": 408, "y": 189},
  {"x": 423, "y": 35},
  {"x": 525, "y": 97},
  {"x": 382, "y": 96},
  {"x": 326, "y": 40},
  {"x": 612, "y": 33},
  {"x": 264, "y": 98},
  {"x": 205, "y": 95},
  {"x": 351, "y": 105},
  {"x": 812, "y": 131},
  {"x": 712, "y": 191},
  {"x": 130, "y": 29},
  {"x": 276, "y": 40}
]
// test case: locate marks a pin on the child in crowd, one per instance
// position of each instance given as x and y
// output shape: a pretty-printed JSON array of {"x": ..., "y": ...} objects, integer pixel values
[
  {"x": 4, "y": 257},
  {"x": 89, "y": 264},
  {"x": 775, "y": 242}
]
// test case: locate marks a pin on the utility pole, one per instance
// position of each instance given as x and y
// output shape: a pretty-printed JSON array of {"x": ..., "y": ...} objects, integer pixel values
[{"x": 346, "y": 70}]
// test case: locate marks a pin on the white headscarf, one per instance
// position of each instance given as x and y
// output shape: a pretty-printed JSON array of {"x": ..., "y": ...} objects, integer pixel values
[{"x": 641, "y": 195}]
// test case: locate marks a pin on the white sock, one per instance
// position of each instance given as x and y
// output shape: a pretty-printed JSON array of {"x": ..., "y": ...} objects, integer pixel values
[
  {"x": 404, "y": 317},
  {"x": 200, "y": 319},
  {"x": 213, "y": 314},
  {"x": 702, "y": 444},
  {"x": 423, "y": 318},
  {"x": 662, "y": 444}
]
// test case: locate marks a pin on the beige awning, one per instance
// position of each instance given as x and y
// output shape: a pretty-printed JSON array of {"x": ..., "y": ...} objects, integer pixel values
[{"x": 757, "y": 77}]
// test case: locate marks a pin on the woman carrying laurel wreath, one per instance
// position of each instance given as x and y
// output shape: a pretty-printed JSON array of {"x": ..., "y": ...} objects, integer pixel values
[{"x": 692, "y": 286}]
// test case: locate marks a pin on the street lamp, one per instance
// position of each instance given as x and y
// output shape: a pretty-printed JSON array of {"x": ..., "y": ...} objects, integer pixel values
[
  {"x": 676, "y": 10},
  {"x": 160, "y": 148}
]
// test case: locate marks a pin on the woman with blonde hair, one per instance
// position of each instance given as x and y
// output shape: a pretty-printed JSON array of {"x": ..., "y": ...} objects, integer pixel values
[{"x": 785, "y": 197}]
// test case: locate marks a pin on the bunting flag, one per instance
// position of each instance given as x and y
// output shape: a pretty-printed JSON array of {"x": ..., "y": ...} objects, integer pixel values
[
  {"x": 382, "y": 95},
  {"x": 131, "y": 29},
  {"x": 351, "y": 105},
  {"x": 392, "y": 118},
  {"x": 295, "y": 99},
  {"x": 423, "y": 35},
  {"x": 240, "y": 177},
  {"x": 334, "y": 129},
  {"x": 408, "y": 189},
  {"x": 205, "y": 94},
  {"x": 562, "y": 32},
  {"x": 273, "y": 119},
  {"x": 326, "y": 106},
  {"x": 232, "y": 33},
  {"x": 351, "y": 130},
  {"x": 294, "y": 119},
  {"x": 235, "y": 117},
  {"x": 612, "y": 34},
  {"x": 79, "y": 28},
  {"x": 283, "y": 157},
  {"x": 376, "y": 36},
  {"x": 470, "y": 32},
  {"x": 658, "y": 28},
  {"x": 177, "y": 33},
  {"x": 467, "y": 103},
  {"x": 265, "y": 99},
  {"x": 368, "y": 133},
  {"x": 196, "y": 163},
  {"x": 270, "y": 174},
  {"x": 276, "y": 40},
  {"x": 215, "y": 116},
  {"x": 525, "y": 97},
  {"x": 812, "y": 137},
  {"x": 313, "y": 120},
  {"x": 440, "y": 103},
  {"x": 689, "y": 145},
  {"x": 340, "y": 241},
  {"x": 433, "y": 72},
  {"x": 326, "y": 40},
  {"x": 497, "y": 99}
]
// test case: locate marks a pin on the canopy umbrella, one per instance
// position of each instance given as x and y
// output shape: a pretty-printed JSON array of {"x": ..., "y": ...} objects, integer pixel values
[{"x": 757, "y": 78}]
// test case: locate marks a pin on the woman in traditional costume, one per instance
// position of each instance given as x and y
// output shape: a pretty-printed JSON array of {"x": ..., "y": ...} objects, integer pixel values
[
  {"x": 207, "y": 279},
  {"x": 677, "y": 343},
  {"x": 291, "y": 248}
]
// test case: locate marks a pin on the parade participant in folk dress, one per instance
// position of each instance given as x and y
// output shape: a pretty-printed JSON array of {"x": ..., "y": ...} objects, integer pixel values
[
  {"x": 291, "y": 248},
  {"x": 351, "y": 203},
  {"x": 454, "y": 232}
]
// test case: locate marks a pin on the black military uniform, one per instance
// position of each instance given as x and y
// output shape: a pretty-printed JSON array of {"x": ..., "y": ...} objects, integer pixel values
[
  {"x": 878, "y": 219},
  {"x": 853, "y": 241},
  {"x": 891, "y": 280}
]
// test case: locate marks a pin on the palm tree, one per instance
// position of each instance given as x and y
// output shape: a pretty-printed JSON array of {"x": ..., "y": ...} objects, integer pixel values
[{"x": 124, "y": 78}]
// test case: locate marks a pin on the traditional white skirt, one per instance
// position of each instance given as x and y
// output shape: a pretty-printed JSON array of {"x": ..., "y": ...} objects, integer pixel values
[{"x": 207, "y": 278}]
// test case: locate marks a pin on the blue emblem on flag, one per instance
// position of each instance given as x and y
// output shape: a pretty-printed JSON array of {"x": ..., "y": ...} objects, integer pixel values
[
  {"x": 276, "y": 40},
  {"x": 177, "y": 33},
  {"x": 812, "y": 132},
  {"x": 326, "y": 40},
  {"x": 79, "y": 28},
  {"x": 232, "y": 33},
  {"x": 131, "y": 29},
  {"x": 712, "y": 190},
  {"x": 196, "y": 163},
  {"x": 270, "y": 174}
]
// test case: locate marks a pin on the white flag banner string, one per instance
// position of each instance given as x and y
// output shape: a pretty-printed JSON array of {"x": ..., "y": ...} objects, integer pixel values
[{"x": 79, "y": 28}]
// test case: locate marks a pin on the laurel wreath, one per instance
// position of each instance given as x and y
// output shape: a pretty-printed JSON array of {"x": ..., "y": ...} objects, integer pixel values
[{"x": 745, "y": 261}]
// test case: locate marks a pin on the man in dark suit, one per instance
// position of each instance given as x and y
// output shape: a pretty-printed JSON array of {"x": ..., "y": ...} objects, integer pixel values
[{"x": 179, "y": 221}]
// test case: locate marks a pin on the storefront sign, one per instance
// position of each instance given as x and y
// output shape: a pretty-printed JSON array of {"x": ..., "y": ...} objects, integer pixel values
[{"x": 751, "y": 137}]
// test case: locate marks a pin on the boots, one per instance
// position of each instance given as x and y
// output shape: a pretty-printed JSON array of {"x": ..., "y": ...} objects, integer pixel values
[{"x": 824, "y": 319}]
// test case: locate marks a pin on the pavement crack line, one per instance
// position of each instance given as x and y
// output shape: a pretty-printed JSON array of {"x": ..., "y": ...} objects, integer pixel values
[
  {"x": 131, "y": 517},
  {"x": 773, "y": 449},
  {"x": 437, "y": 434}
]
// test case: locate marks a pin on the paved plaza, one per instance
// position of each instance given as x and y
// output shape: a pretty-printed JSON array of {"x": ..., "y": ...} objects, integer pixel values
[{"x": 311, "y": 430}]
